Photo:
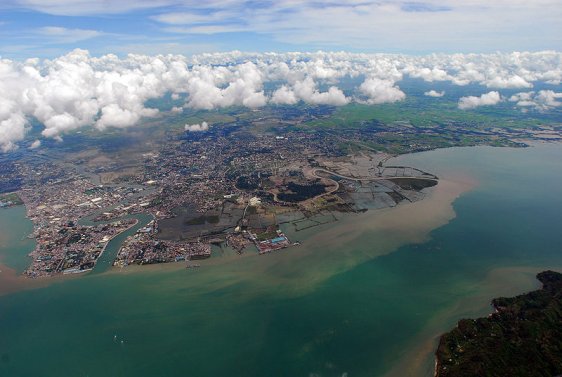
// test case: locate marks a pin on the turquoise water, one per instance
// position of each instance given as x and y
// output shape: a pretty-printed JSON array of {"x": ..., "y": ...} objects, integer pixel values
[
  {"x": 14, "y": 244},
  {"x": 322, "y": 309},
  {"x": 105, "y": 261}
]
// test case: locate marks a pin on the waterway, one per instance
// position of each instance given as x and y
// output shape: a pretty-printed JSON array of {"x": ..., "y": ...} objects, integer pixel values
[
  {"x": 105, "y": 261},
  {"x": 364, "y": 296}
]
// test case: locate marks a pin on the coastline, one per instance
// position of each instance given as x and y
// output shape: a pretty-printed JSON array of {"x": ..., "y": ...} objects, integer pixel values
[
  {"x": 393, "y": 308},
  {"x": 324, "y": 251},
  {"x": 419, "y": 357},
  {"x": 11, "y": 281},
  {"x": 321, "y": 248}
]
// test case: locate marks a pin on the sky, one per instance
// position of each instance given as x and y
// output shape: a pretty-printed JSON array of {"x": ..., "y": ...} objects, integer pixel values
[
  {"x": 50, "y": 28},
  {"x": 69, "y": 65}
]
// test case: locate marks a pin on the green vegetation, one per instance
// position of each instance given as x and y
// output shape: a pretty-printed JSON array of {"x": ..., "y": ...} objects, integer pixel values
[
  {"x": 10, "y": 199},
  {"x": 203, "y": 219},
  {"x": 522, "y": 339},
  {"x": 211, "y": 117},
  {"x": 413, "y": 183},
  {"x": 298, "y": 193},
  {"x": 266, "y": 235},
  {"x": 251, "y": 210},
  {"x": 440, "y": 113}
]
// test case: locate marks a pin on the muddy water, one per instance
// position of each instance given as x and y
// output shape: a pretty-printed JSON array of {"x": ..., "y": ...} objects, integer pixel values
[{"x": 364, "y": 296}]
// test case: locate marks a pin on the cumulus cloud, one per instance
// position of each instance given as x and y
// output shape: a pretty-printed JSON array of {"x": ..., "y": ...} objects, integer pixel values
[
  {"x": 487, "y": 99},
  {"x": 78, "y": 90},
  {"x": 543, "y": 100},
  {"x": 284, "y": 96},
  {"x": 204, "y": 126},
  {"x": 36, "y": 144},
  {"x": 429, "y": 74},
  {"x": 307, "y": 91},
  {"x": 523, "y": 99},
  {"x": 549, "y": 98},
  {"x": 243, "y": 87},
  {"x": 381, "y": 91},
  {"x": 434, "y": 93},
  {"x": 508, "y": 83}
]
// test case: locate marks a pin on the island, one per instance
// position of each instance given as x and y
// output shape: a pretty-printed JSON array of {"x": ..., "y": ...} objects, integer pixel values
[{"x": 523, "y": 337}]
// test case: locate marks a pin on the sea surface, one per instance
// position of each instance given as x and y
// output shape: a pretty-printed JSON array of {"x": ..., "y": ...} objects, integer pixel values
[{"x": 367, "y": 295}]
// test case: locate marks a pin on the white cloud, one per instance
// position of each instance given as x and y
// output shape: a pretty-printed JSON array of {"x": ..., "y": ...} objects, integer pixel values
[
  {"x": 523, "y": 99},
  {"x": 508, "y": 83},
  {"x": 381, "y": 91},
  {"x": 204, "y": 126},
  {"x": 36, "y": 144},
  {"x": 427, "y": 74},
  {"x": 385, "y": 25},
  {"x": 89, "y": 7},
  {"x": 445, "y": 25},
  {"x": 284, "y": 96},
  {"x": 487, "y": 99},
  {"x": 207, "y": 89},
  {"x": 306, "y": 90},
  {"x": 186, "y": 18},
  {"x": 58, "y": 34},
  {"x": 543, "y": 100},
  {"x": 549, "y": 98},
  {"x": 77, "y": 90},
  {"x": 205, "y": 29},
  {"x": 434, "y": 93}
]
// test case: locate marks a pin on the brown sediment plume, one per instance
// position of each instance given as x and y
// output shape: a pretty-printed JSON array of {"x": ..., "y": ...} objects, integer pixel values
[
  {"x": 408, "y": 222},
  {"x": 379, "y": 232},
  {"x": 325, "y": 250},
  {"x": 11, "y": 282}
]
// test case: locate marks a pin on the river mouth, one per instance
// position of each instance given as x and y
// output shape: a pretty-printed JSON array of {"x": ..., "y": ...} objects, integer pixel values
[
  {"x": 411, "y": 221},
  {"x": 106, "y": 259},
  {"x": 366, "y": 295}
]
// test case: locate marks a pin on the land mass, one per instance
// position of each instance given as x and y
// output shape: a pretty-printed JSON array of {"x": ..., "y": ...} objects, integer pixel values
[
  {"x": 523, "y": 337},
  {"x": 237, "y": 183}
]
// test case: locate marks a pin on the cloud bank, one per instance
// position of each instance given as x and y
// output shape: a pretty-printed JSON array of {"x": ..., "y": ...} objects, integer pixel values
[{"x": 78, "y": 90}]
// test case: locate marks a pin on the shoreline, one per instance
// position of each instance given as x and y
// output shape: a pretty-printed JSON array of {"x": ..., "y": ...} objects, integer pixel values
[
  {"x": 324, "y": 252},
  {"x": 11, "y": 282},
  {"x": 419, "y": 356},
  {"x": 403, "y": 224}
]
